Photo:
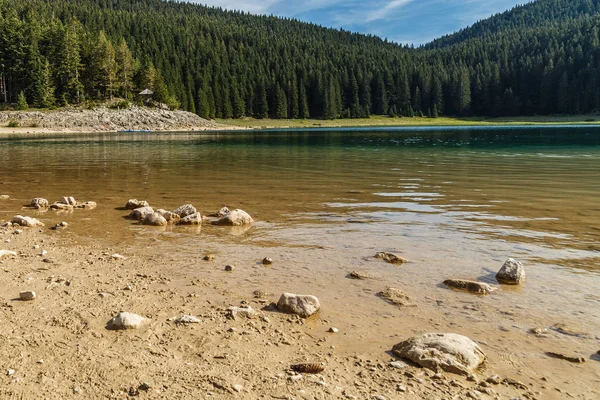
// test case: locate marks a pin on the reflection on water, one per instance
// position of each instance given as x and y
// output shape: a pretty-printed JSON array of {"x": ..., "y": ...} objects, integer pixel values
[{"x": 536, "y": 189}]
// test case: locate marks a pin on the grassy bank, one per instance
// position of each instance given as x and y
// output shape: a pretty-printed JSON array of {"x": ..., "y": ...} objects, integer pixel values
[{"x": 416, "y": 121}]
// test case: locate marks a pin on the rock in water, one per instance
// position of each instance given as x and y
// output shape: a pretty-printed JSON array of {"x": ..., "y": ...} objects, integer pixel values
[
  {"x": 170, "y": 216},
  {"x": 27, "y": 295},
  {"x": 140, "y": 213},
  {"x": 395, "y": 296},
  {"x": 267, "y": 261},
  {"x": 192, "y": 219},
  {"x": 88, "y": 205},
  {"x": 359, "y": 275},
  {"x": 185, "y": 210},
  {"x": 132, "y": 204},
  {"x": 511, "y": 273},
  {"x": 302, "y": 305},
  {"x": 470, "y": 286},
  {"x": 154, "y": 219},
  {"x": 125, "y": 320},
  {"x": 573, "y": 359},
  {"x": 447, "y": 351},
  {"x": 61, "y": 206},
  {"x": 68, "y": 200},
  {"x": 235, "y": 218},
  {"x": 390, "y": 258},
  {"x": 39, "y": 203},
  {"x": 26, "y": 221},
  {"x": 222, "y": 212}
]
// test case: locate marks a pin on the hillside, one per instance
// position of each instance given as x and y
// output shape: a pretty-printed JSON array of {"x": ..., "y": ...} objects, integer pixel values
[{"x": 541, "y": 58}]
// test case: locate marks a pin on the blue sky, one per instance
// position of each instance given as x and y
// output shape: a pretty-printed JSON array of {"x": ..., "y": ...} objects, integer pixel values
[{"x": 403, "y": 21}]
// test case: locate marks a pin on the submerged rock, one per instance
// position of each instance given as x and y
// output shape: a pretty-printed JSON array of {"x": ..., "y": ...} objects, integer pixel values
[
  {"x": 140, "y": 213},
  {"x": 125, "y": 320},
  {"x": 359, "y": 275},
  {"x": 395, "y": 296},
  {"x": 442, "y": 351},
  {"x": 61, "y": 206},
  {"x": 154, "y": 219},
  {"x": 302, "y": 305},
  {"x": 561, "y": 356},
  {"x": 40, "y": 203},
  {"x": 185, "y": 210},
  {"x": 26, "y": 221},
  {"x": 88, "y": 205},
  {"x": 390, "y": 258},
  {"x": 470, "y": 286},
  {"x": 132, "y": 204},
  {"x": 192, "y": 219},
  {"x": 235, "y": 218},
  {"x": 512, "y": 273}
]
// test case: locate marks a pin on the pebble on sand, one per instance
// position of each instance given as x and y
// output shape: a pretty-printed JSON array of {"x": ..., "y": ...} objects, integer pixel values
[
  {"x": 125, "y": 320},
  {"x": 302, "y": 305},
  {"x": 470, "y": 286},
  {"x": 511, "y": 273},
  {"x": 27, "y": 295}
]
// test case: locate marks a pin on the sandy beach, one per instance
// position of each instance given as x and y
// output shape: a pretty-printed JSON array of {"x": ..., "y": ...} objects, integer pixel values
[{"x": 57, "y": 346}]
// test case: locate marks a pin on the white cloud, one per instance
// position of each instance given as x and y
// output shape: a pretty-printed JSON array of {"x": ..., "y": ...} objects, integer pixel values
[{"x": 383, "y": 12}]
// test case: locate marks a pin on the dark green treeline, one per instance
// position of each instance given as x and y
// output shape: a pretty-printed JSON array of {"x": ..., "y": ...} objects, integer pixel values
[{"x": 541, "y": 58}]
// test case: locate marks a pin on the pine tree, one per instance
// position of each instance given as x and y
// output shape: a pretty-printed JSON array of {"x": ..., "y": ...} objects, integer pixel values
[
  {"x": 22, "y": 101},
  {"x": 125, "y": 69}
]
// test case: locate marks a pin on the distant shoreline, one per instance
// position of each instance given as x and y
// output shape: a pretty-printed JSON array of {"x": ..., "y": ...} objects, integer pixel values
[{"x": 104, "y": 120}]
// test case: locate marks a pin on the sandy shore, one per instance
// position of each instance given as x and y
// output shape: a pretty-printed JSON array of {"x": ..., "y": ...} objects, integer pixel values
[{"x": 57, "y": 346}]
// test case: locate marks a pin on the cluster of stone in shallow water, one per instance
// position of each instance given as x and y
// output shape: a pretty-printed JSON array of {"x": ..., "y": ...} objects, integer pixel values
[{"x": 184, "y": 215}]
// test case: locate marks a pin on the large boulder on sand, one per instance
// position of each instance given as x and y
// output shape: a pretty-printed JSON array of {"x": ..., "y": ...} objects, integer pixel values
[
  {"x": 235, "y": 218},
  {"x": 442, "y": 351},
  {"x": 39, "y": 203},
  {"x": 132, "y": 204},
  {"x": 154, "y": 219},
  {"x": 125, "y": 320},
  {"x": 26, "y": 221},
  {"x": 302, "y": 305},
  {"x": 185, "y": 210},
  {"x": 140, "y": 213},
  {"x": 192, "y": 219},
  {"x": 511, "y": 273}
]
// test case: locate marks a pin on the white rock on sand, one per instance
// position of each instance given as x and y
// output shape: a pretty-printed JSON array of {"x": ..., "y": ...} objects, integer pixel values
[
  {"x": 512, "y": 273},
  {"x": 125, "y": 320},
  {"x": 186, "y": 319},
  {"x": 236, "y": 218},
  {"x": 446, "y": 351},
  {"x": 26, "y": 221},
  {"x": 302, "y": 305},
  {"x": 242, "y": 312},
  {"x": 7, "y": 253}
]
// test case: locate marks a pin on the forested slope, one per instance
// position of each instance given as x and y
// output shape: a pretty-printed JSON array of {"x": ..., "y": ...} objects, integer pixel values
[{"x": 541, "y": 58}]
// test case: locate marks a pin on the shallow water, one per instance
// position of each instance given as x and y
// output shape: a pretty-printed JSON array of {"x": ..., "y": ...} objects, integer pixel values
[{"x": 456, "y": 202}]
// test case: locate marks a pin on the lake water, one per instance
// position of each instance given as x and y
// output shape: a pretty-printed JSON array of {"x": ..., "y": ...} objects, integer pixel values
[{"x": 455, "y": 202}]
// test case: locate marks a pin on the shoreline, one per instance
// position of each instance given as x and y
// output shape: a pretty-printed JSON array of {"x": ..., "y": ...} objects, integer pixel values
[{"x": 103, "y": 120}]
